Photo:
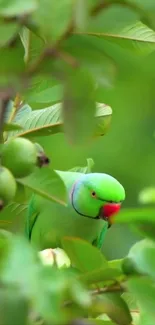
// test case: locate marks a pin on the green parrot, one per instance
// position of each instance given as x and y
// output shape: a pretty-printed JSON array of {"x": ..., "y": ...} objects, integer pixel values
[{"x": 91, "y": 199}]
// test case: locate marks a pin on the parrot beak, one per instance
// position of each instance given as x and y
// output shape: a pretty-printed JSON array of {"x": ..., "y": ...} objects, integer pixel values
[{"x": 108, "y": 210}]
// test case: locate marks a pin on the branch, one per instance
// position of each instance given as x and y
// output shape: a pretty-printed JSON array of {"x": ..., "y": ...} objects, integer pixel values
[
  {"x": 114, "y": 288},
  {"x": 99, "y": 291},
  {"x": 16, "y": 106}
]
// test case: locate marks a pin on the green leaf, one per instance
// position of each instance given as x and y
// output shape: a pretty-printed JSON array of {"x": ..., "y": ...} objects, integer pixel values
[
  {"x": 115, "y": 17},
  {"x": 83, "y": 255},
  {"x": 149, "y": 5},
  {"x": 81, "y": 14},
  {"x": 49, "y": 121},
  {"x": 116, "y": 308},
  {"x": 93, "y": 321},
  {"x": 33, "y": 46},
  {"x": 16, "y": 7},
  {"x": 79, "y": 106},
  {"x": 115, "y": 264},
  {"x": 130, "y": 300},
  {"x": 11, "y": 64},
  {"x": 25, "y": 110},
  {"x": 11, "y": 127},
  {"x": 47, "y": 96},
  {"x": 147, "y": 195},
  {"x": 53, "y": 18},
  {"x": 8, "y": 31},
  {"x": 80, "y": 295},
  {"x": 85, "y": 170},
  {"x": 12, "y": 216},
  {"x": 104, "y": 275},
  {"x": 136, "y": 36},
  {"x": 20, "y": 196},
  {"x": 141, "y": 257},
  {"x": 46, "y": 183},
  {"x": 13, "y": 308},
  {"x": 90, "y": 53},
  {"x": 103, "y": 119},
  {"x": 144, "y": 318},
  {"x": 18, "y": 264},
  {"x": 141, "y": 219},
  {"x": 134, "y": 215},
  {"x": 144, "y": 292},
  {"x": 43, "y": 287}
]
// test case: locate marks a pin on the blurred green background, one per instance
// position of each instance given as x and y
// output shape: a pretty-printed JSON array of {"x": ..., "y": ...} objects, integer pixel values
[{"x": 127, "y": 151}]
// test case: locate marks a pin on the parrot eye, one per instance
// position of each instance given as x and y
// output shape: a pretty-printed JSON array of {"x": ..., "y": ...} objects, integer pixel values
[{"x": 93, "y": 194}]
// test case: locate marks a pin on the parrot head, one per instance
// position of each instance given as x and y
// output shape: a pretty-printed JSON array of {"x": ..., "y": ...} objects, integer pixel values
[{"x": 97, "y": 196}]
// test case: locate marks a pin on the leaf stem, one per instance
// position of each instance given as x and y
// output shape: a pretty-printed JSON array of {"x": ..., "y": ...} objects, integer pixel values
[{"x": 16, "y": 106}]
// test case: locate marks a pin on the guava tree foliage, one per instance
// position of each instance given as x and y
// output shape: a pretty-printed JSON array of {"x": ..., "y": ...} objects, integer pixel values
[{"x": 56, "y": 58}]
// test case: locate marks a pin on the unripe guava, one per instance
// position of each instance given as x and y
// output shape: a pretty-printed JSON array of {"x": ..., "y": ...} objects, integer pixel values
[
  {"x": 20, "y": 156},
  {"x": 7, "y": 186}
]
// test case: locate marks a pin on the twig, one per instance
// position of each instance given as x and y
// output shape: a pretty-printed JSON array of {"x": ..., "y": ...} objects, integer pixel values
[
  {"x": 114, "y": 288},
  {"x": 15, "y": 108},
  {"x": 99, "y": 291},
  {"x": 5, "y": 96}
]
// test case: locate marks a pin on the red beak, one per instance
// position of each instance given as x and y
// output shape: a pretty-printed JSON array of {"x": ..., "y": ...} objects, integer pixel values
[{"x": 110, "y": 209}]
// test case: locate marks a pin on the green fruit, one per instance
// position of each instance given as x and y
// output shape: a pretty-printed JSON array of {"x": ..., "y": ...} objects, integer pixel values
[
  {"x": 20, "y": 156},
  {"x": 7, "y": 186}
]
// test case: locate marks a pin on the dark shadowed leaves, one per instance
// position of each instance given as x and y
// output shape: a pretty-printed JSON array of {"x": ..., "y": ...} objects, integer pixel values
[
  {"x": 8, "y": 32},
  {"x": 115, "y": 307}
]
